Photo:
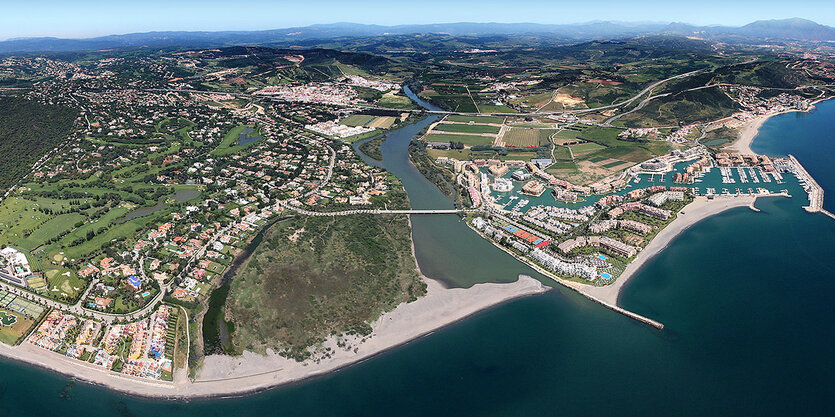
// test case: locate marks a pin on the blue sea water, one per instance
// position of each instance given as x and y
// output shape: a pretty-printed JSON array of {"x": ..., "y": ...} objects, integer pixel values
[{"x": 746, "y": 299}]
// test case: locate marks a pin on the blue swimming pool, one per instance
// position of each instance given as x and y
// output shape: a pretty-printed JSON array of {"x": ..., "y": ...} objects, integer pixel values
[
  {"x": 605, "y": 275},
  {"x": 602, "y": 257}
]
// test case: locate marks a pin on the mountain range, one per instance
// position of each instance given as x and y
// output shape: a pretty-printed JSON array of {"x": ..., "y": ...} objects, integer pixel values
[{"x": 794, "y": 29}]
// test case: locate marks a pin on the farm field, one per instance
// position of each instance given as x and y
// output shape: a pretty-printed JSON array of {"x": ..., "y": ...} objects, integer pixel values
[
  {"x": 462, "y": 128},
  {"x": 601, "y": 154},
  {"x": 527, "y": 137},
  {"x": 469, "y": 140},
  {"x": 356, "y": 120},
  {"x": 475, "y": 119},
  {"x": 379, "y": 122},
  {"x": 395, "y": 101},
  {"x": 585, "y": 149}
]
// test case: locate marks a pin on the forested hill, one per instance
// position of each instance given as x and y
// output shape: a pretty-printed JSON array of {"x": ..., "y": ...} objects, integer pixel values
[{"x": 27, "y": 131}]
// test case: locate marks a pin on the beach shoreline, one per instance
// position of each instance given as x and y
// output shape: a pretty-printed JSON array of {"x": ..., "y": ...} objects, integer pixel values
[
  {"x": 747, "y": 132},
  {"x": 700, "y": 209},
  {"x": 750, "y": 129},
  {"x": 224, "y": 376}
]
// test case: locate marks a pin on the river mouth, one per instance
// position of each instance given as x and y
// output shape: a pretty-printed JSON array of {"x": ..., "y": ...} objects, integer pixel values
[{"x": 446, "y": 248}]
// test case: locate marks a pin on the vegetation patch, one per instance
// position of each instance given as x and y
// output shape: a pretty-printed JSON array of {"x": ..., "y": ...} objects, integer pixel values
[{"x": 339, "y": 275}]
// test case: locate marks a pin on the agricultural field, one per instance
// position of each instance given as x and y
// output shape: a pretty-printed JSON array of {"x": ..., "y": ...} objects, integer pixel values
[
  {"x": 395, "y": 101},
  {"x": 466, "y": 128},
  {"x": 601, "y": 154},
  {"x": 475, "y": 119},
  {"x": 379, "y": 122},
  {"x": 467, "y": 140},
  {"x": 527, "y": 137}
]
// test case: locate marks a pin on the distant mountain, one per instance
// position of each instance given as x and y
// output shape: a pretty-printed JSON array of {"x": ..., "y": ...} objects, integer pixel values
[
  {"x": 794, "y": 29},
  {"x": 790, "y": 29}
]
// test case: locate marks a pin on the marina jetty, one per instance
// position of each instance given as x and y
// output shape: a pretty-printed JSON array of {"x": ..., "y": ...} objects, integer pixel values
[{"x": 811, "y": 187}]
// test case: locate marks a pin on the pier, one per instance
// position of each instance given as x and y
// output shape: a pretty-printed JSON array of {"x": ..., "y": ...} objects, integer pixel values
[{"x": 812, "y": 187}]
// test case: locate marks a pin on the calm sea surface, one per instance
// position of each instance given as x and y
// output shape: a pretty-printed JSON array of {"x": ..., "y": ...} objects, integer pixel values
[{"x": 746, "y": 297}]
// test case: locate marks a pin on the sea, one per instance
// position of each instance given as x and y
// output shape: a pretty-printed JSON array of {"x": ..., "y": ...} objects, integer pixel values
[{"x": 746, "y": 298}]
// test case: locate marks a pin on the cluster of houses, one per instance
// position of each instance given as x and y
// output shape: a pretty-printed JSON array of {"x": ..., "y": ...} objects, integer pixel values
[
  {"x": 726, "y": 159},
  {"x": 651, "y": 211},
  {"x": 136, "y": 349},
  {"x": 320, "y": 93}
]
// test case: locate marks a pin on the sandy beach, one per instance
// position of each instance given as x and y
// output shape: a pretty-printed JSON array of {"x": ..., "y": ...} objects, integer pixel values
[
  {"x": 229, "y": 376},
  {"x": 747, "y": 133},
  {"x": 749, "y": 130},
  {"x": 691, "y": 214}
]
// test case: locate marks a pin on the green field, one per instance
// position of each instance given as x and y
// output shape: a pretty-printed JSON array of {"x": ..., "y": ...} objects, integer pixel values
[
  {"x": 475, "y": 119},
  {"x": 465, "y": 139},
  {"x": 460, "y": 128},
  {"x": 356, "y": 120},
  {"x": 527, "y": 137},
  {"x": 585, "y": 148},
  {"x": 394, "y": 101},
  {"x": 51, "y": 229},
  {"x": 13, "y": 326}
]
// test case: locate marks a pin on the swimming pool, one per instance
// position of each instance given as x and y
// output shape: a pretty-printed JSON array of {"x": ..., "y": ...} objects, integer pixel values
[
  {"x": 605, "y": 275},
  {"x": 146, "y": 293},
  {"x": 602, "y": 257}
]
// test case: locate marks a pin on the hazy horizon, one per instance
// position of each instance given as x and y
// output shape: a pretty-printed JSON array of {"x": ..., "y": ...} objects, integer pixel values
[{"x": 93, "y": 18}]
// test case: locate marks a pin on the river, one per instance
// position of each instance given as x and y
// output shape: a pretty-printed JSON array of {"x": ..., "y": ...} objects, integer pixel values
[{"x": 746, "y": 299}]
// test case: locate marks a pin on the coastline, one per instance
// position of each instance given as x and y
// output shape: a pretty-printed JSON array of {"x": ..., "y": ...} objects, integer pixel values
[
  {"x": 224, "y": 376},
  {"x": 747, "y": 132},
  {"x": 700, "y": 209},
  {"x": 229, "y": 376},
  {"x": 750, "y": 129}
]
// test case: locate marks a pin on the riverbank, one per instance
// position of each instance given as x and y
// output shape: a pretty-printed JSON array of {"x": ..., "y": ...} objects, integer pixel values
[{"x": 691, "y": 214}]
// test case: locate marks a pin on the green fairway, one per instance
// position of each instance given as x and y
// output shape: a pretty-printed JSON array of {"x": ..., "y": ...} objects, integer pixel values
[
  {"x": 228, "y": 145},
  {"x": 51, "y": 229},
  {"x": 7, "y": 319}
]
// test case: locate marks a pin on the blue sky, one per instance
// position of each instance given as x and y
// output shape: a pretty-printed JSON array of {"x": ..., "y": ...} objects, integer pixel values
[{"x": 85, "y": 18}]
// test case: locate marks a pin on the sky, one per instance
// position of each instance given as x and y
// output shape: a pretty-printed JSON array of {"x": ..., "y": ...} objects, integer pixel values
[{"x": 89, "y": 18}]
